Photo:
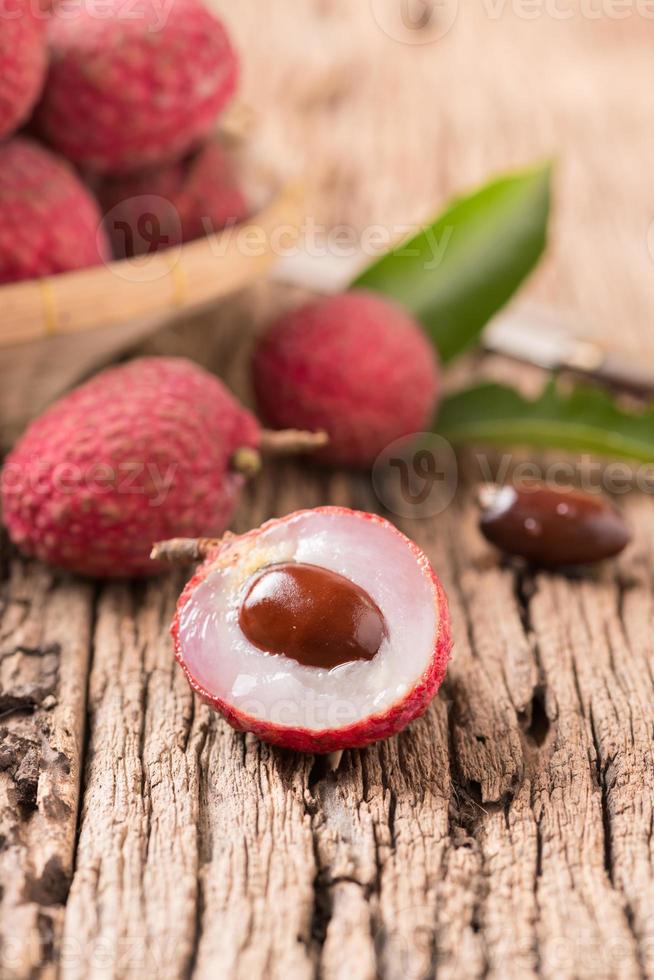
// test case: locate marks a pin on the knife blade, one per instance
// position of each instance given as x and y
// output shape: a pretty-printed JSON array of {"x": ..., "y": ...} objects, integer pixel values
[{"x": 546, "y": 339}]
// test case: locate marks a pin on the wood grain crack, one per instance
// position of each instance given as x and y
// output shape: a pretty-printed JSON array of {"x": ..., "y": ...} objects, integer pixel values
[{"x": 43, "y": 674}]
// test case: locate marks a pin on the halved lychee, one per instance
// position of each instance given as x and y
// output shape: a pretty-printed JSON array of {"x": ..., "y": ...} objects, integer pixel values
[{"x": 324, "y": 630}]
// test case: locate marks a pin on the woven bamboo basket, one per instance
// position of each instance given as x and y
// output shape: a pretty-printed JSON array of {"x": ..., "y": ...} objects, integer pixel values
[{"x": 54, "y": 331}]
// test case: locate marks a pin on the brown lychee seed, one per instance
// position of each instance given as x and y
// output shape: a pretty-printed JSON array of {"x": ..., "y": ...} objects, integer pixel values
[
  {"x": 550, "y": 526},
  {"x": 311, "y": 614}
]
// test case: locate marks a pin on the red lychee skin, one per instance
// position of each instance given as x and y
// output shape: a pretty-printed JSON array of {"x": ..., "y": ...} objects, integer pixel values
[
  {"x": 49, "y": 222},
  {"x": 84, "y": 488},
  {"x": 355, "y": 365},
  {"x": 371, "y": 729},
  {"x": 187, "y": 200},
  {"x": 137, "y": 86},
  {"x": 23, "y": 59}
]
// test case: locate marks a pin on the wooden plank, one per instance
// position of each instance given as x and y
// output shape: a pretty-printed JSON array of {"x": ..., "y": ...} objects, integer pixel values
[
  {"x": 45, "y": 635},
  {"x": 509, "y": 830}
]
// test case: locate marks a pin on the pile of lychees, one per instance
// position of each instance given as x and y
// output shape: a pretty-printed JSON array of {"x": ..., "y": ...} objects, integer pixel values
[
  {"x": 110, "y": 108},
  {"x": 122, "y": 98}
]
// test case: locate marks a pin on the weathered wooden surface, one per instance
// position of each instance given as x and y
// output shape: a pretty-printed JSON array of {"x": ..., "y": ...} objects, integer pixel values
[{"x": 511, "y": 831}]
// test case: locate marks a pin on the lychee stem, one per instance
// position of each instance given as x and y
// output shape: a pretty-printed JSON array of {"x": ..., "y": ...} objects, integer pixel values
[
  {"x": 185, "y": 551},
  {"x": 285, "y": 442},
  {"x": 288, "y": 442},
  {"x": 334, "y": 760}
]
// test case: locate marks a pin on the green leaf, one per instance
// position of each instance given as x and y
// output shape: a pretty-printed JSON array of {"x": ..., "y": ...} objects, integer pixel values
[
  {"x": 459, "y": 271},
  {"x": 584, "y": 420}
]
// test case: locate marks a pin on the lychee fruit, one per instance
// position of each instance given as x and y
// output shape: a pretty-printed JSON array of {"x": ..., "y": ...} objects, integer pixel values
[
  {"x": 136, "y": 87},
  {"x": 152, "y": 448},
  {"x": 356, "y": 365},
  {"x": 23, "y": 59},
  {"x": 49, "y": 222},
  {"x": 173, "y": 204},
  {"x": 324, "y": 630}
]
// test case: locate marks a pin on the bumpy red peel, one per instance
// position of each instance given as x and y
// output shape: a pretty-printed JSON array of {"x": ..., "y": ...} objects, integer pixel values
[
  {"x": 355, "y": 365},
  {"x": 49, "y": 222},
  {"x": 139, "y": 453},
  {"x": 135, "y": 87}
]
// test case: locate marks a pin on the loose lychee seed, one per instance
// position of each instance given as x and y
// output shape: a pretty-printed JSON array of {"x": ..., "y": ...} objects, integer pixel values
[
  {"x": 311, "y": 614},
  {"x": 552, "y": 527}
]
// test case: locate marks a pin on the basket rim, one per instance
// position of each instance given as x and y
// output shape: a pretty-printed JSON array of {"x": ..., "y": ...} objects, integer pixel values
[{"x": 162, "y": 283}]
